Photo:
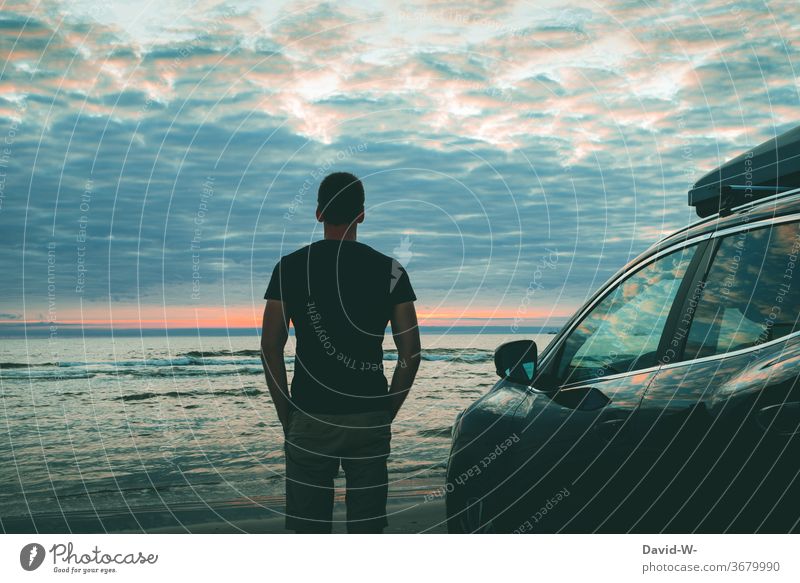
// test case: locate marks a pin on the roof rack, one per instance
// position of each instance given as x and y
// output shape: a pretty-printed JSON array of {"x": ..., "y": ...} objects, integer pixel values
[{"x": 768, "y": 169}]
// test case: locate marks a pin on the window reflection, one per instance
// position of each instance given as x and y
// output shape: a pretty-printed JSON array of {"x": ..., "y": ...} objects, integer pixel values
[
  {"x": 623, "y": 331},
  {"x": 752, "y": 292}
]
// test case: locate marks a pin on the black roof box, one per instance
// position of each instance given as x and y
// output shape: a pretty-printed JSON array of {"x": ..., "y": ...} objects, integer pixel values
[{"x": 766, "y": 170}]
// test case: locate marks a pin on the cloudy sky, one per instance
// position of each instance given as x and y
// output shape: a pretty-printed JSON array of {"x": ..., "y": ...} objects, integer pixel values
[{"x": 159, "y": 157}]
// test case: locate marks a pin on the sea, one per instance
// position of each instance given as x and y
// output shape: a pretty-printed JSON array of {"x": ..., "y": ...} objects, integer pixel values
[{"x": 98, "y": 423}]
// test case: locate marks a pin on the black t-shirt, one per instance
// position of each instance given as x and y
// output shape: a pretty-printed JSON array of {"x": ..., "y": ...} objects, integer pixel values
[{"x": 339, "y": 296}]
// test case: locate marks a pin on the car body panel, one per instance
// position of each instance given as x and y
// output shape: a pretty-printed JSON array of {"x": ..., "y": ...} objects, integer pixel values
[
  {"x": 479, "y": 430},
  {"x": 572, "y": 449},
  {"x": 704, "y": 441}
]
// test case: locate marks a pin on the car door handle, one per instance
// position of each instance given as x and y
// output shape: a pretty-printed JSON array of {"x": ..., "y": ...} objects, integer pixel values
[
  {"x": 581, "y": 398},
  {"x": 609, "y": 429}
]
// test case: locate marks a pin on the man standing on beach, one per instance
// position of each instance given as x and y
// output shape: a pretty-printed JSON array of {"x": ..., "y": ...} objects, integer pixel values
[{"x": 340, "y": 295}]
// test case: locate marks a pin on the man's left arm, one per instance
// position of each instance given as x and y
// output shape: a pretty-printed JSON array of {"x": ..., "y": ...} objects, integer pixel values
[{"x": 274, "y": 333}]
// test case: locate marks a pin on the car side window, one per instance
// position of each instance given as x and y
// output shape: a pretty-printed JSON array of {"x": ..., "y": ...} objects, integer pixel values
[
  {"x": 751, "y": 294},
  {"x": 623, "y": 331}
]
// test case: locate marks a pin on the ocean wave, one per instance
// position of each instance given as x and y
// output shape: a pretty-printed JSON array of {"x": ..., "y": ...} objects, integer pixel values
[
  {"x": 436, "y": 432},
  {"x": 164, "y": 372},
  {"x": 216, "y": 353},
  {"x": 463, "y": 355},
  {"x": 248, "y": 392},
  {"x": 44, "y": 375},
  {"x": 457, "y": 355},
  {"x": 403, "y": 467},
  {"x": 164, "y": 362},
  {"x": 19, "y": 365},
  {"x": 197, "y": 364},
  {"x": 167, "y": 372},
  {"x": 151, "y": 363}
]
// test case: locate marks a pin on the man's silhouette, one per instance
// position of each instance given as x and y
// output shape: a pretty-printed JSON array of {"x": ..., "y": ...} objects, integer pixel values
[{"x": 339, "y": 294}]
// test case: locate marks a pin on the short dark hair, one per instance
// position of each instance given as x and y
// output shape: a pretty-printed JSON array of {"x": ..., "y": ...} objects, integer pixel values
[{"x": 340, "y": 198}]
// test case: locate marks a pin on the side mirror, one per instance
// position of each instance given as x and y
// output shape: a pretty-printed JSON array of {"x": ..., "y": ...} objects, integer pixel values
[{"x": 516, "y": 361}]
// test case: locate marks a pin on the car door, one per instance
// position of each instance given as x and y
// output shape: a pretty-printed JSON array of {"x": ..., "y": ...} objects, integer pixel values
[
  {"x": 719, "y": 423},
  {"x": 576, "y": 423}
]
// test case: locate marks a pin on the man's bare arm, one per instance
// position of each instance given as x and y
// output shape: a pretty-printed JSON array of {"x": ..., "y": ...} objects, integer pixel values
[
  {"x": 274, "y": 333},
  {"x": 405, "y": 332}
]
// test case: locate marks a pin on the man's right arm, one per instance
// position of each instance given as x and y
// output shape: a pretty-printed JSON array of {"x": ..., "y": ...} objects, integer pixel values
[
  {"x": 275, "y": 332},
  {"x": 405, "y": 332}
]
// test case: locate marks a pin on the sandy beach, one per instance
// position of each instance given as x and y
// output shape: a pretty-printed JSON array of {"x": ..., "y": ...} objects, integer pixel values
[
  {"x": 407, "y": 515},
  {"x": 409, "y": 512}
]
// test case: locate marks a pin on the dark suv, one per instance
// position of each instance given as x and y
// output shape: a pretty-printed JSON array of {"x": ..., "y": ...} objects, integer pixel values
[{"x": 670, "y": 401}]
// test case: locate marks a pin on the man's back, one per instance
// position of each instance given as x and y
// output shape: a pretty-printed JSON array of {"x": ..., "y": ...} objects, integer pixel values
[{"x": 339, "y": 295}]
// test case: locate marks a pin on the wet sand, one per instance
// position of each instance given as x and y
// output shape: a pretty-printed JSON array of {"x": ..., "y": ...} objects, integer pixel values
[{"x": 409, "y": 511}]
